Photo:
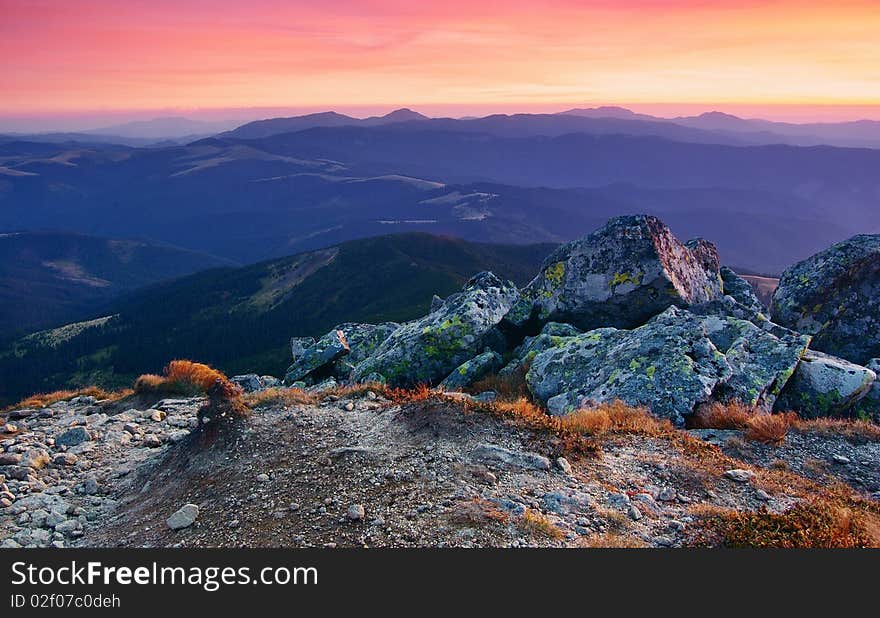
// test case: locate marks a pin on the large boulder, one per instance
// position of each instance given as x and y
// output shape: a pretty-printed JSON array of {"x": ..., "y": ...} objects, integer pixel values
[
  {"x": 669, "y": 364},
  {"x": 761, "y": 361},
  {"x": 825, "y": 385},
  {"x": 470, "y": 371},
  {"x": 318, "y": 356},
  {"x": 427, "y": 350},
  {"x": 673, "y": 363},
  {"x": 868, "y": 407},
  {"x": 740, "y": 290},
  {"x": 363, "y": 340},
  {"x": 525, "y": 353},
  {"x": 621, "y": 275},
  {"x": 835, "y": 296}
]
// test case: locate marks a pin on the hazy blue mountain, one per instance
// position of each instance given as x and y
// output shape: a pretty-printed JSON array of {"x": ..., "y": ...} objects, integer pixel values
[
  {"x": 48, "y": 278},
  {"x": 247, "y": 200},
  {"x": 173, "y": 127},
  {"x": 241, "y": 319}
]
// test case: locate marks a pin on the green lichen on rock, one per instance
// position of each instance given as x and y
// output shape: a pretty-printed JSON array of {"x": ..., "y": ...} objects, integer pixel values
[
  {"x": 472, "y": 370},
  {"x": 427, "y": 350},
  {"x": 824, "y": 385},
  {"x": 835, "y": 296},
  {"x": 621, "y": 275}
]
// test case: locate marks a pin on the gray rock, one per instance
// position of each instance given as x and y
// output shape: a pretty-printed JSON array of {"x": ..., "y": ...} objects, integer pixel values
[
  {"x": 563, "y": 464},
  {"x": 868, "y": 407},
  {"x": 73, "y": 437},
  {"x": 249, "y": 382},
  {"x": 621, "y": 275},
  {"x": 10, "y": 459},
  {"x": 427, "y": 350},
  {"x": 363, "y": 339},
  {"x": 325, "y": 351},
  {"x": 470, "y": 371},
  {"x": 517, "y": 459},
  {"x": 835, "y": 296},
  {"x": 739, "y": 475},
  {"x": 567, "y": 502},
  {"x": 68, "y": 527},
  {"x": 669, "y": 364},
  {"x": 740, "y": 290},
  {"x": 824, "y": 385},
  {"x": 356, "y": 512},
  {"x": 184, "y": 517},
  {"x": 761, "y": 362},
  {"x": 298, "y": 345}
]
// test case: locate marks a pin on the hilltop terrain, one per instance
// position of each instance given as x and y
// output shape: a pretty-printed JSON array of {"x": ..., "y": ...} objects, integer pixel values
[{"x": 634, "y": 393}]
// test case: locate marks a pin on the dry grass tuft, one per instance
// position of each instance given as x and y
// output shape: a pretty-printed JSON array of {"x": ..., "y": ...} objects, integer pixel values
[
  {"x": 857, "y": 431},
  {"x": 477, "y": 511},
  {"x": 279, "y": 397},
  {"x": 817, "y": 523},
  {"x": 611, "y": 540},
  {"x": 43, "y": 400},
  {"x": 538, "y": 524},
  {"x": 768, "y": 428},
  {"x": 187, "y": 377},
  {"x": 732, "y": 415}
]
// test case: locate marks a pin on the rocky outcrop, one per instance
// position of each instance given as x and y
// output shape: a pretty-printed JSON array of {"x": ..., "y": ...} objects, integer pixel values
[
  {"x": 835, "y": 296},
  {"x": 327, "y": 349},
  {"x": 824, "y": 385},
  {"x": 740, "y": 290},
  {"x": 868, "y": 407},
  {"x": 427, "y": 350},
  {"x": 671, "y": 364},
  {"x": 621, "y": 275},
  {"x": 470, "y": 371},
  {"x": 336, "y": 353}
]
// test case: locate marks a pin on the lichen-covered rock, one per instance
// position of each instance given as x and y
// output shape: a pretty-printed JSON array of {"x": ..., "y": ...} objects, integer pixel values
[
  {"x": 470, "y": 371},
  {"x": 326, "y": 350},
  {"x": 835, "y": 296},
  {"x": 868, "y": 407},
  {"x": 761, "y": 363},
  {"x": 740, "y": 290},
  {"x": 621, "y": 275},
  {"x": 669, "y": 364},
  {"x": 824, "y": 385},
  {"x": 298, "y": 345},
  {"x": 363, "y": 339},
  {"x": 249, "y": 382},
  {"x": 428, "y": 349},
  {"x": 550, "y": 335}
]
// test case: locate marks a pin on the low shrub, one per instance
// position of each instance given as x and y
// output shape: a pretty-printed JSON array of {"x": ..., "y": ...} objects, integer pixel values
[{"x": 42, "y": 400}]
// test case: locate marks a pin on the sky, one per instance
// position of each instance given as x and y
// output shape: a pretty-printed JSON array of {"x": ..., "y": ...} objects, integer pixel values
[{"x": 97, "y": 61}]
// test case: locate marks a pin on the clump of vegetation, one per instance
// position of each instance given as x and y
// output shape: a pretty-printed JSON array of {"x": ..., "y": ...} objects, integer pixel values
[
  {"x": 536, "y": 523},
  {"x": 478, "y": 511},
  {"x": 816, "y": 523},
  {"x": 279, "y": 397},
  {"x": 768, "y": 428},
  {"x": 856, "y": 431},
  {"x": 611, "y": 540},
  {"x": 716, "y": 415},
  {"x": 43, "y": 400},
  {"x": 187, "y": 377}
]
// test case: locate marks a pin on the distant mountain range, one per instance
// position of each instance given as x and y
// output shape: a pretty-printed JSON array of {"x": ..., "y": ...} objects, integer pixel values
[
  {"x": 240, "y": 319},
  {"x": 250, "y": 199},
  {"x": 48, "y": 278}
]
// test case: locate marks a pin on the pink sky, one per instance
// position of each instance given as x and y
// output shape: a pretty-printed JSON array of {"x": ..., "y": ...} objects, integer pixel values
[{"x": 783, "y": 59}]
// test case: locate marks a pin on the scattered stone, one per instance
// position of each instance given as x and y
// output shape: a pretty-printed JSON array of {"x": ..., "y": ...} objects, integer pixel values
[
  {"x": 513, "y": 458},
  {"x": 563, "y": 464},
  {"x": 667, "y": 494},
  {"x": 184, "y": 517},
  {"x": 840, "y": 459},
  {"x": 65, "y": 459},
  {"x": 10, "y": 459},
  {"x": 739, "y": 475},
  {"x": 356, "y": 512},
  {"x": 73, "y": 437},
  {"x": 263, "y": 478},
  {"x": 152, "y": 441}
]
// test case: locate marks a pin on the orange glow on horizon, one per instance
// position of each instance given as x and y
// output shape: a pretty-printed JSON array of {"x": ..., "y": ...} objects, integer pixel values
[{"x": 519, "y": 55}]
